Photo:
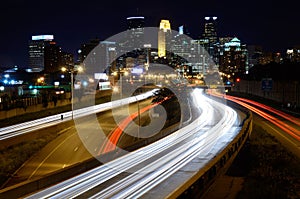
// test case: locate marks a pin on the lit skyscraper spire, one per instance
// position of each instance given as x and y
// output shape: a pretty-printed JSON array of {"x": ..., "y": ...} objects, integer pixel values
[{"x": 164, "y": 33}]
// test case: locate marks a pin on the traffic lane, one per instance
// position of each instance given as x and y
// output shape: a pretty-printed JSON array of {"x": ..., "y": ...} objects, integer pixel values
[
  {"x": 126, "y": 163},
  {"x": 64, "y": 151},
  {"x": 26, "y": 171},
  {"x": 277, "y": 121},
  {"x": 149, "y": 124},
  {"x": 72, "y": 152},
  {"x": 81, "y": 147},
  {"x": 69, "y": 148},
  {"x": 273, "y": 111},
  {"x": 288, "y": 141},
  {"x": 158, "y": 160}
]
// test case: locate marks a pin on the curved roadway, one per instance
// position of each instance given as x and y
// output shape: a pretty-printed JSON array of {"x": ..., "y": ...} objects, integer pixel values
[{"x": 139, "y": 173}]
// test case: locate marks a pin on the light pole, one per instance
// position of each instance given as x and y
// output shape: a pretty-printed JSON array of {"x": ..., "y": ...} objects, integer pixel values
[
  {"x": 72, "y": 92},
  {"x": 79, "y": 69},
  {"x": 139, "y": 117},
  {"x": 121, "y": 86},
  {"x": 121, "y": 82}
]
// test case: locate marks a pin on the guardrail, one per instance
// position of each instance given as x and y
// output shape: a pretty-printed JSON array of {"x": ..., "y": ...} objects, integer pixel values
[{"x": 198, "y": 185}]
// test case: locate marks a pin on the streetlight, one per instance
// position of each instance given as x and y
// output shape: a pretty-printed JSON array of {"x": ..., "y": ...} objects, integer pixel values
[
  {"x": 125, "y": 74},
  {"x": 121, "y": 81},
  {"x": 79, "y": 69},
  {"x": 139, "y": 117}
]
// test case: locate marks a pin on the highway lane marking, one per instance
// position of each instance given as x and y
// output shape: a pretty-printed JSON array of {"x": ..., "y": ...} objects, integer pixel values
[
  {"x": 49, "y": 155},
  {"x": 279, "y": 133},
  {"x": 64, "y": 130}
]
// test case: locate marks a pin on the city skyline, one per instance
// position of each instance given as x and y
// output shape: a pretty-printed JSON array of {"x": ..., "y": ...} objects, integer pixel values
[{"x": 73, "y": 24}]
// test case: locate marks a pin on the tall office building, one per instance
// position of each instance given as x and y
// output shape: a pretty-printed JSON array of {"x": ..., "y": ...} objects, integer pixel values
[
  {"x": 45, "y": 55},
  {"x": 234, "y": 58},
  {"x": 210, "y": 29},
  {"x": 37, "y": 46},
  {"x": 211, "y": 37},
  {"x": 181, "y": 43},
  {"x": 255, "y": 53},
  {"x": 197, "y": 62},
  {"x": 108, "y": 55},
  {"x": 135, "y": 22},
  {"x": 135, "y": 36},
  {"x": 164, "y": 37},
  {"x": 52, "y": 57},
  {"x": 86, "y": 48}
]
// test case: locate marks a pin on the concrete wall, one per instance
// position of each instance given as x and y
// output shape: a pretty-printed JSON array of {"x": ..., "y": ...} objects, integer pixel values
[
  {"x": 35, "y": 104},
  {"x": 283, "y": 92},
  {"x": 197, "y": 186},
  {"x": 31, "y": 109}
]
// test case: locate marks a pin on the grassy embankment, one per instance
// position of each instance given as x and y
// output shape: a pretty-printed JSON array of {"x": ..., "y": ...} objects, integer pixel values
[{"x": 268, "y": 169}]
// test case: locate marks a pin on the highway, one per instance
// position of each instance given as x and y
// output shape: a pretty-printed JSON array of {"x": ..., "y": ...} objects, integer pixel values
[
  {"x": 23, "y": 128},
  {"x": 143, "y": 172},
  {"x": 70, "y": 148},
  {"x": 283, "y": 126},
  {"x": 135, "y": 174}
]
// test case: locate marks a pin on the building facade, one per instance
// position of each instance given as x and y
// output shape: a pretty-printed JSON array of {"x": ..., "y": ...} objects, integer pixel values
[
  {"x": 233, "y": 59},
  {"x": 164, "y": 38},
  {"x": 36, "y": 50},
  {"x": 46, "y": 56},
  {"x": 135, "y": 33},
  {"x": 210, "y": 37}
]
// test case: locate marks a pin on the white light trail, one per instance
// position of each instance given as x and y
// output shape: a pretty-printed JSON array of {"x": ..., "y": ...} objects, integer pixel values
[
  {"x": 190, "y": 141},
  {"x": 23, "y": 128}
]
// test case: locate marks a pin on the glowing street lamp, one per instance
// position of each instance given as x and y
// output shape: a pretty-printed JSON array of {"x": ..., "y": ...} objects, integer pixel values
[
  {"x": 125, "y": 73},
  {"x": 41, "y": 80},
  {"x": 79, "y": 69}
]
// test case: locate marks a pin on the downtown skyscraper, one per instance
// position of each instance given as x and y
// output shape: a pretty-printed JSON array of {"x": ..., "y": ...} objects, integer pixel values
[
  {"x": 210, "y": 37},
  {"x": 135, "y": 26},
  {"x": 164, "y": 37},
  {"x": 37, "y": 50}
]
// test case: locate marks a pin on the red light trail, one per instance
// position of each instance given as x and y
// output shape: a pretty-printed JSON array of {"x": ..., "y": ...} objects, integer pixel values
[
  {"x": 115, "y": 135},
  {"x": 282, "y": 125}
]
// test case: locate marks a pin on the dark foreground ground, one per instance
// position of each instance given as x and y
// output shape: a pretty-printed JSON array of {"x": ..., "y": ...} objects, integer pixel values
[{"x": 263, "y": 169}]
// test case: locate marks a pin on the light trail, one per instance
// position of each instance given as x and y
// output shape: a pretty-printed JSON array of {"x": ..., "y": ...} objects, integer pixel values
[
  {"x": 26, "y": 127},
  {"x": 285, "y": 127},
  {"x": 268, "y": 108},
  {"x": 114, "y": 136},
  {"x": 140, "y": 182},
  {"x": 182, "y": 146},
  {"x": 295, "y": 133}
]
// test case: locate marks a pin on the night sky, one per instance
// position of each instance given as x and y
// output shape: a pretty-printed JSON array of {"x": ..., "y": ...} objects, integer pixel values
[{"x": 274, "y": 26}]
